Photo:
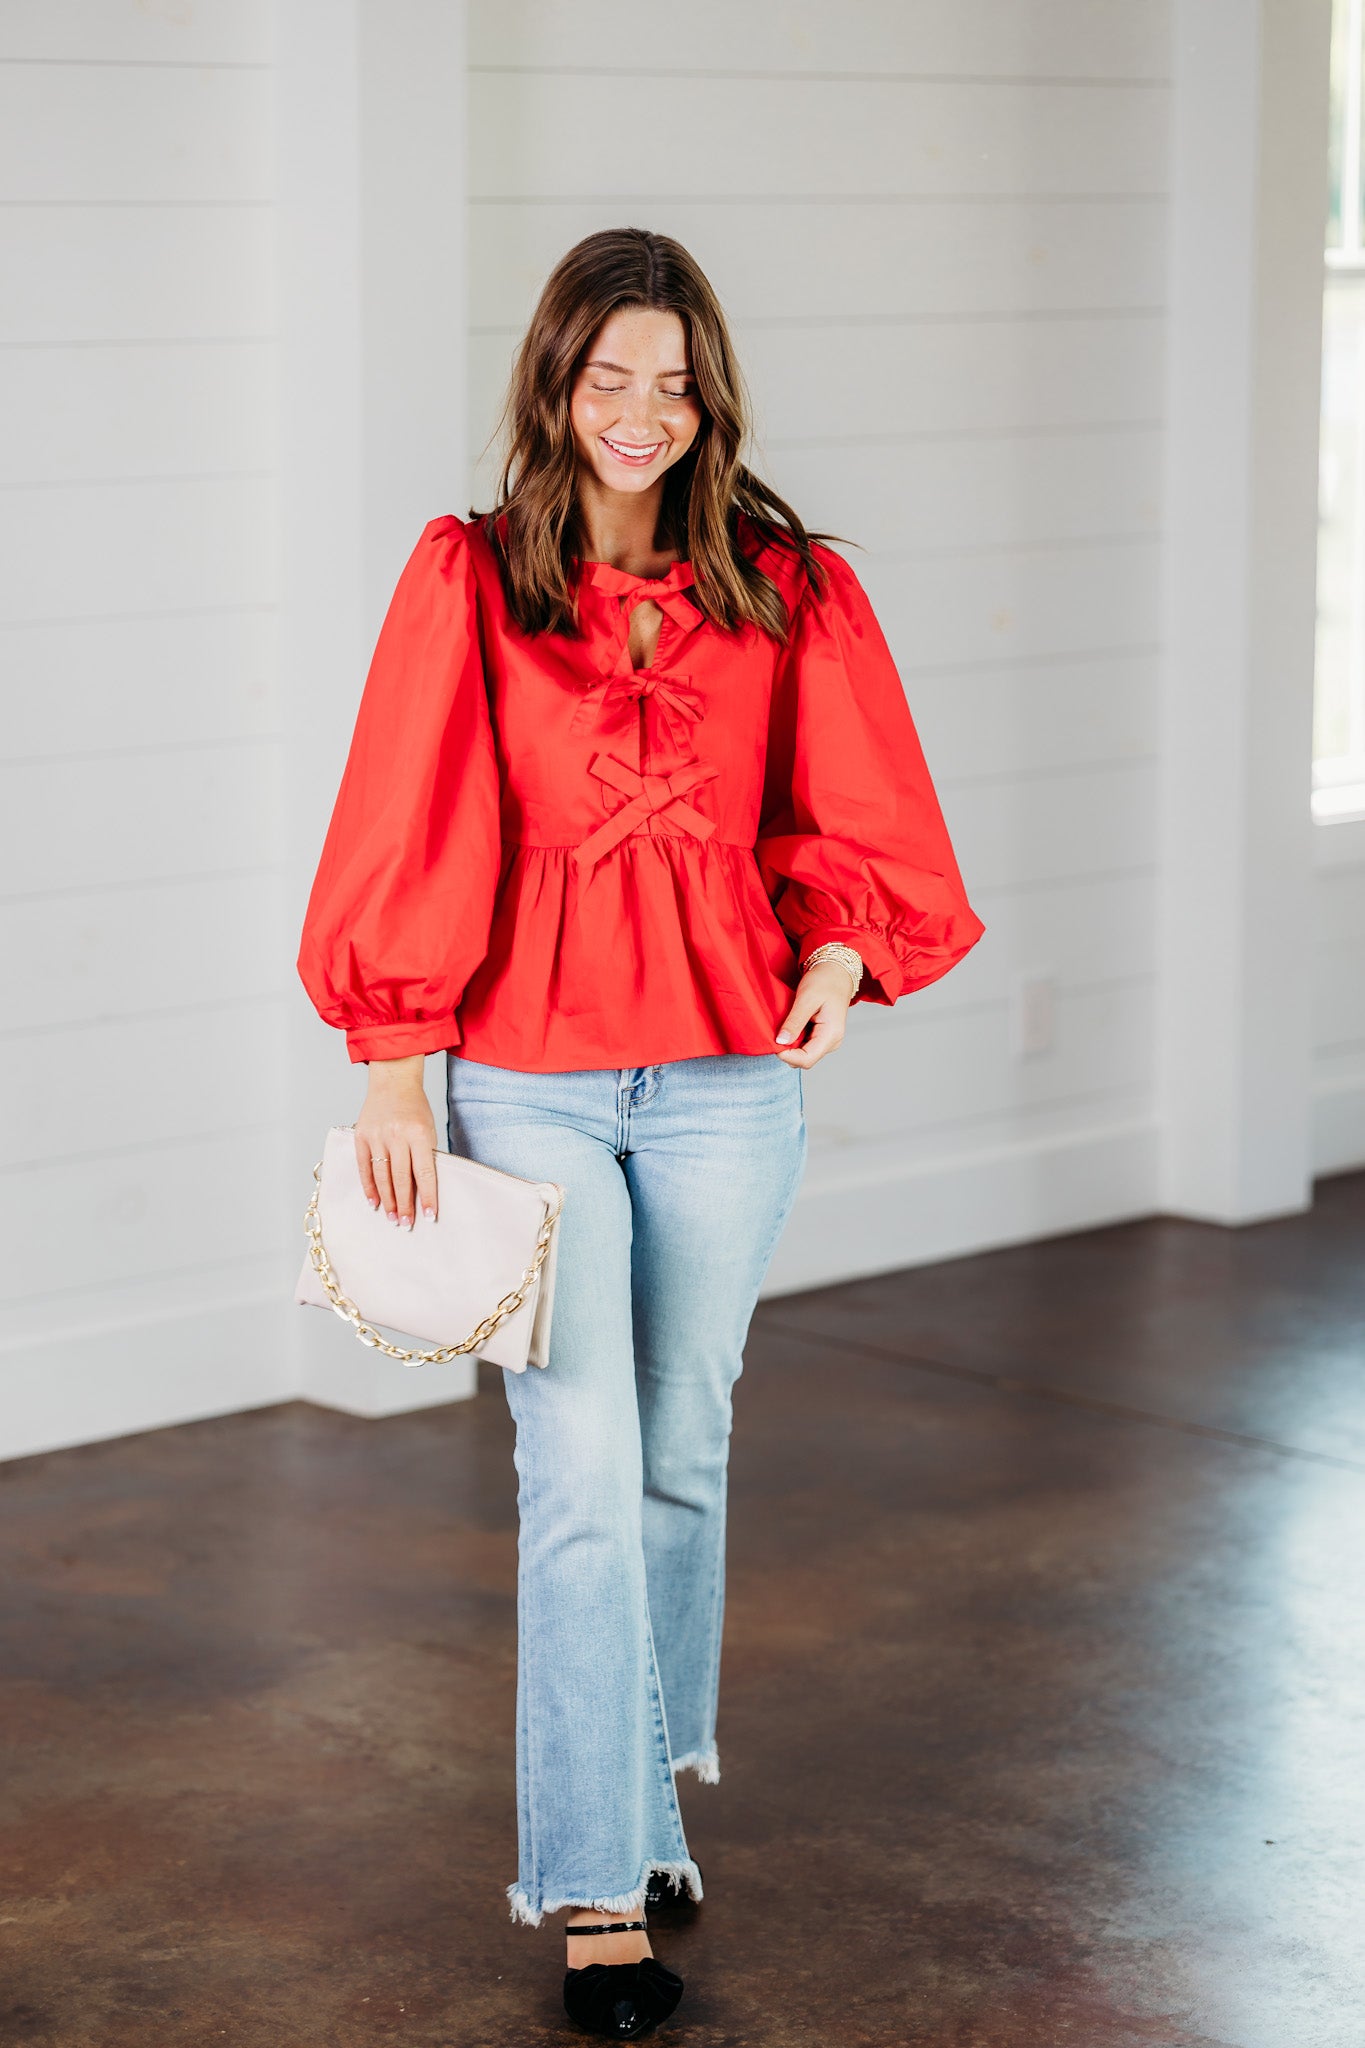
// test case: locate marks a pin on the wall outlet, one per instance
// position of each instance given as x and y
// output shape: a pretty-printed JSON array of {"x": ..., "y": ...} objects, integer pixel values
[{"x": 1034, "y": 1018}]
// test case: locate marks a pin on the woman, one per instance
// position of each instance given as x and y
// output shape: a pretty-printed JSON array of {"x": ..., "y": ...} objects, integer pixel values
[{"x": 634, "y": 810}]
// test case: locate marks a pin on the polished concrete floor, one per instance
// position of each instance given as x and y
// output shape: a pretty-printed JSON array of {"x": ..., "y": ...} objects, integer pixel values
[{"x": 1044, "y": 1705}]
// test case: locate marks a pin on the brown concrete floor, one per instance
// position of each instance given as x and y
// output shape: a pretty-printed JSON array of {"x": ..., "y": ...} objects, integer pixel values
[{"x": 1044, "y": 1704}]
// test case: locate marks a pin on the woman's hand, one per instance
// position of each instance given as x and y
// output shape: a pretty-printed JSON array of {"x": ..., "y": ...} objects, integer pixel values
[
  {"x": 395, "y": 1141},
  {"x": 824, "y": 993}
]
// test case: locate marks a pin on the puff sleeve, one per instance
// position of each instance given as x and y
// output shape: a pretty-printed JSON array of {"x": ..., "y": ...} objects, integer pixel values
[
  {"x": 402, "y": 904},
  {"x": 852, "y": 844}
]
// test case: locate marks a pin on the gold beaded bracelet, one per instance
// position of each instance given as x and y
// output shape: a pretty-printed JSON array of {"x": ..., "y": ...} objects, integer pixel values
[{"x": 847, "y": 956}]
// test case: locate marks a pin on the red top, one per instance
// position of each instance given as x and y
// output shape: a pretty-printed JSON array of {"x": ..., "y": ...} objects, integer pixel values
[{"x": 548, "y": 859}]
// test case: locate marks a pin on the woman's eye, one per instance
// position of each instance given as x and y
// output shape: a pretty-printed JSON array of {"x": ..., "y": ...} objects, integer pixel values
[
  {"x": 676, "y": 394},
  {"x": 608, "y": 387}
]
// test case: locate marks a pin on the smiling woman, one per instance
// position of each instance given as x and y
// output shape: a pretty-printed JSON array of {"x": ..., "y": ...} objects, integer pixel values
[
  {"x": 634, "y": 412},
  {"x": 634, "y": 812},
  {"x": 652, "y": 390}
]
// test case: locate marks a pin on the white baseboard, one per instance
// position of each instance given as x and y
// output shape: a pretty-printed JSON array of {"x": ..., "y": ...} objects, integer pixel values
[
  {"x": 81, "y": 1386},
  {"x": 853, "y": 1222},
  {"x": 1339, "y": 1125},
  {"x": 120, "y": 1374}
]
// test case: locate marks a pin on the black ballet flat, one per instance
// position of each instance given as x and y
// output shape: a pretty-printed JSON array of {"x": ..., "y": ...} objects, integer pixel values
[
  {"x": 668, "y": 1894},
  {"x": 621, "y": 2001}
]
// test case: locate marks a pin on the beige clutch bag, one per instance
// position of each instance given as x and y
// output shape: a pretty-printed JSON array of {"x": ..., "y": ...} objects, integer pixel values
[{"x": 480, "y": 1279}]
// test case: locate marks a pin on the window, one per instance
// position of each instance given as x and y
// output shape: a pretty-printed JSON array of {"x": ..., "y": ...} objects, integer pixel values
[{"x": 1339, "y": 686}]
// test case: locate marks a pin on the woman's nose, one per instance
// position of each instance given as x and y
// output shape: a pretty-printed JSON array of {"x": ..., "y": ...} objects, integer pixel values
[{"x": 637, "y": 418}]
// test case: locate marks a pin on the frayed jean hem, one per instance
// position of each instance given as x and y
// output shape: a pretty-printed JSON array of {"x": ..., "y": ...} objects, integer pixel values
[
  {"x": 705, "y": 1762},
  {"x": 631, "y": 1903}
]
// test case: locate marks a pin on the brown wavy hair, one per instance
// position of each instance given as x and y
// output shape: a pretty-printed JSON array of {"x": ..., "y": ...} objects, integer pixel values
[{"x": 708, "y": 496}]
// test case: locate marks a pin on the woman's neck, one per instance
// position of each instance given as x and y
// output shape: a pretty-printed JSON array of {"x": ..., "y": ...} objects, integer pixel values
[{"x": 618, "y": 527}]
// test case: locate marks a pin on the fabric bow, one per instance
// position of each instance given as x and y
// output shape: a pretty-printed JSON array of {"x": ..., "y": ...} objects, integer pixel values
[
  {"x": 649, "y": 795},
  {"x": 676, "y": 704},
  {"x": 665, "y": 591}
]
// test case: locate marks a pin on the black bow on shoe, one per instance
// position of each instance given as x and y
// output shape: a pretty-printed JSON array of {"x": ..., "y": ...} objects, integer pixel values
[{"x": 620, "y": 2001}]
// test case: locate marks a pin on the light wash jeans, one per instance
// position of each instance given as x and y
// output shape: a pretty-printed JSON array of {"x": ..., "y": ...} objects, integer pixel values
[{"x": 678, "y": 1178}]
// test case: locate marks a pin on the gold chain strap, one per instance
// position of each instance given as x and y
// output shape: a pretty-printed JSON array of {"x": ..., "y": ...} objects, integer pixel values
[{"x": 442, "y": 1353}]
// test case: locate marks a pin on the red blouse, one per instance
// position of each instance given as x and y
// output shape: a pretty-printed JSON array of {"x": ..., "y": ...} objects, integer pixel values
[{"x": 547, "y": 859}]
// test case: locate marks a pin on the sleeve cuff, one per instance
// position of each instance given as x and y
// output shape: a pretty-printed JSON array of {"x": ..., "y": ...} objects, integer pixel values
[
  {"x": 401, "y": 1041},
  {"x": 883, "y": 980}
]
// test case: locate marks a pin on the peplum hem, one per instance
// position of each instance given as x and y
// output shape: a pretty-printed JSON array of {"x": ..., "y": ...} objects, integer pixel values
[{"x": 670, "y": 945}]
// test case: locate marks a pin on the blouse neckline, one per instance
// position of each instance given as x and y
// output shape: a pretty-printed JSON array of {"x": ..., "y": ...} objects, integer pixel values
[{"x": 618, "y": 581}]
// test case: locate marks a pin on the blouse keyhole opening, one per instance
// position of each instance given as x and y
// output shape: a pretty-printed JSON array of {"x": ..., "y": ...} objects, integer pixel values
[{"x": 646, "y": 623}]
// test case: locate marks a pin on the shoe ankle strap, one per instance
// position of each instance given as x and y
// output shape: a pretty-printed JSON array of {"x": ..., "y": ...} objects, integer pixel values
[{"x": 614, "y": 1927}]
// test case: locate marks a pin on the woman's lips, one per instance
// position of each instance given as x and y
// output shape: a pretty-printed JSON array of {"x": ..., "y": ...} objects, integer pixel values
[{"x": 634, "y": 456}]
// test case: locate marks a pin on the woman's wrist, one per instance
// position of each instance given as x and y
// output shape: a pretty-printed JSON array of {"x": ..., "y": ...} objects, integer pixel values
[
  {"x": 848, "y": 957},
  {"x": 391, "y": 1078}
]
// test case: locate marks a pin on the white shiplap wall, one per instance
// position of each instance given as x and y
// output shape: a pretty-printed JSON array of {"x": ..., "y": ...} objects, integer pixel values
[
  {"x": 140, "y": 1178},
  {"x": 940, "y": 233},
  {"x": 1339, "y": 998}
]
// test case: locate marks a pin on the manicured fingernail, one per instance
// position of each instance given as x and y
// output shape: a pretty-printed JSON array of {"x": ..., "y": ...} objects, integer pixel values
[
  {"x": 430, "y": 1213},
  {"x": 785, "y": 1037},
  {"x": 373, "y": 1204},
  {"x": 406, "y": 1222}
]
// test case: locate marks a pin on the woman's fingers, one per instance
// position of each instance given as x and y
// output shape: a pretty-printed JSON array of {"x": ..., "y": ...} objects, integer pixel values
[
  {"x": 395, "y": 1146},
  {"x": 400, "y": 1165},
  {"x": 805, "y": 1003},
  {"x": 383, "y": 1180},
  {"x": 827, "y": 1033},
  {"x": 396, "y": 1179},
  {"x": 424, "y": 1171},
  {"x": 821, "y": 1000},
  {"x": 364, "y": 1161}
]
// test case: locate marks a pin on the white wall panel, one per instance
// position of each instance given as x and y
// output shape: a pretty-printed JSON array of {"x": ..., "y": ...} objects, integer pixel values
[
  {"x": 1010, "y": 38},
  {"x": 92, "y": 957},
  {"x": 110, "y": 550},
  {"x": 152, "y": 409},
  {"x": 43, "y": 1323},
  {"x": 200, "y": 1202},
  {"x": 196, "y": 811},
  {"x": 181, "y": 32},
  {"x": 1339, "y": 987},
  {"x": 1338, "y": 898},
  {"x": 912, "y": 1074},
  {"x": 156, "y": 134},
  {"x": 138, "y": 1082},
  {"x": 843, "y": 378},
  {"x": 951, "y": 610},
  {"x": 1034, "y": 716},
  {"x": 1248, "y": 176},
  {"x": 878, "y": 257},
  {"x": 88, "y": 685},
  {"x": 758, "y": 137},
  {"x": 1339, "y": 905},
  {"x": 1074, "y": 933},
  {"x": 134, "y": 273},
  {"x": 954, "y": 490},
  {"x": 1012, "y": 832},
  {"x": 140, "y": 806}
]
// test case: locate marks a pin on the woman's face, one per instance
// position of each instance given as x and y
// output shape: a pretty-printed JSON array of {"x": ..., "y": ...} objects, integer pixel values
[{"x": 634, "y": 409}]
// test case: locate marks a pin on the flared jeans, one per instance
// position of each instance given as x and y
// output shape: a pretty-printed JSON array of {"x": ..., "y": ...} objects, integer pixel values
[{"x": 678, "y": 1180}]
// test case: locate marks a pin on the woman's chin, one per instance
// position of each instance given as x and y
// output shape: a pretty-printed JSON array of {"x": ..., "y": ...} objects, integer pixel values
[{"x": 617, "y": 477}]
